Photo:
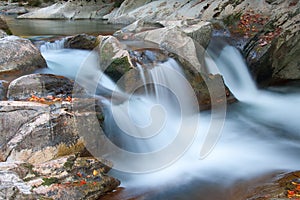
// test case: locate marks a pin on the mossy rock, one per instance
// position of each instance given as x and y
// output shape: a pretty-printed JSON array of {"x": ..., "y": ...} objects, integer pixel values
[{"x": 118, "y": 68}]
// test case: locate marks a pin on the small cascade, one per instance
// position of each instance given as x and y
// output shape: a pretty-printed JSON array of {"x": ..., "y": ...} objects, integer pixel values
[
  {"x": 143, "y": 77},
  {"x": 149, "y": 122},
  {"x": 232, "y": 66},
  {"x": 56, "y": 45}
]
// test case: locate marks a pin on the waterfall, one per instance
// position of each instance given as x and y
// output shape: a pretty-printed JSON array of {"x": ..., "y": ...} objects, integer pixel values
[
  {"x": 56, "y": 45},
  {"x": 148, "y": 124},
  {"x": 232, "y": 66}
]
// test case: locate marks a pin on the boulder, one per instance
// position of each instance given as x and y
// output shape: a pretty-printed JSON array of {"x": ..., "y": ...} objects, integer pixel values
[
  {"x": 16, "y": 11},
  {"x": 175, "y": 41},
  {"x": 136, "y": 27},
  {"x": 68, "y": 177},
  {"x": 19, "y": 56},
  {"x": 114, "y": 59},
  {"x": 41, "y": 85},
  {"x": 273, "y": 53},
  {"x": 126, "y": 7},
  {"x": 4, "y": 26},
  {"x": 152, "y": 11},
  {"x": 81, "y": 41},
  {"x": 37, "y": 132},
  {"x": 72, "y": 10}
]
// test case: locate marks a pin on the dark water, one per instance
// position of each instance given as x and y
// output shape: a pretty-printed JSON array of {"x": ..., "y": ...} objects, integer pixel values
[{"x": 35, "y": 27}]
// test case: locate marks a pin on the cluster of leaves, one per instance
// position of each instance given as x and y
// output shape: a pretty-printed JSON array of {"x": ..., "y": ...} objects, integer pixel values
[
  {"x": 48, "y": 99},
  {"x": 268, "y": 37},
  {"x": 250, "y": 23},
  {"x": 293, "y": 189},
  {"x": 83, "y": 179}
]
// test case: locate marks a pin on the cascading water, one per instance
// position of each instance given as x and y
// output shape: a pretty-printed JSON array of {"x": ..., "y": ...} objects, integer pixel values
[
  {"x": 260, "y": 135},
  {"x": 233, "y": 68}
]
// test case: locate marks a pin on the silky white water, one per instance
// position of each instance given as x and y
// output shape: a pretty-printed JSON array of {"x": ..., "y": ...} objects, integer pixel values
[{"x": 261, "y": 132}]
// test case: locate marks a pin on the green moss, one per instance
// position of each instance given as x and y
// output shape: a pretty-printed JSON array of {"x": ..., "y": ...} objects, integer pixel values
[
  {"x": 69, "y": 163},
  {"x": 118, "y": 68},
  {"x": 50, "y": 181}
]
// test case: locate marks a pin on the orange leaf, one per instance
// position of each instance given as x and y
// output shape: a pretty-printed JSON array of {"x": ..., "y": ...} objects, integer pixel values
[
  {"x": 79, "y": 174},
  {"x": 82, "y": 182}
]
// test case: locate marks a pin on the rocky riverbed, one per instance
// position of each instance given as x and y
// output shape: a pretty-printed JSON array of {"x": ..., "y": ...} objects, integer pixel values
[{"x": 41, "y": 151}]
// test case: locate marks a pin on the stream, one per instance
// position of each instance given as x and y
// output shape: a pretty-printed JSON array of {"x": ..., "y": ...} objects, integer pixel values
[{"x": 260, "y": 134}]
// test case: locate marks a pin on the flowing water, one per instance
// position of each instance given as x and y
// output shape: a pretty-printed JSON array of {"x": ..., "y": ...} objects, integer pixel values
[{"x": 261, "y": 132}]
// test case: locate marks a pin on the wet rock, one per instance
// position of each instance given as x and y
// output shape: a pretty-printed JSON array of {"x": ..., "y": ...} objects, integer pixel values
[
  {"x": 72, "y": 10},
  {"x": 19, "y": 55},
  {"x": 281, "y": 186},
  {"x": 42, "y": 85},
  {"x": 114, "y": 59},
  {"x": 81, "y": 41}
]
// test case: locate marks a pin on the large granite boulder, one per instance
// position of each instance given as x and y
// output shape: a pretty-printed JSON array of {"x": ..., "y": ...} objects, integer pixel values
[
  {"x": 36, "y": 131},
  {"x": 42, "y": 85},
  {"x": 19, "y": 56},
  {"x": 72, "y": 10}
]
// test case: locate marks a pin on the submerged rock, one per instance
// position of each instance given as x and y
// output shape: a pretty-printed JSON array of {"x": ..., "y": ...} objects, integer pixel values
[{"x": 19, "y": 56}]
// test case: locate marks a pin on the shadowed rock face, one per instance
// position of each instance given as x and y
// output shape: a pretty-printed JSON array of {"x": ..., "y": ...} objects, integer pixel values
[{"x": 4, "y": 26}]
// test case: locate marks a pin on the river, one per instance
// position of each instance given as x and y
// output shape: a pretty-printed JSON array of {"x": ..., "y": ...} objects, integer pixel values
[{"x": 260, "y": 133}]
